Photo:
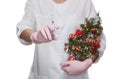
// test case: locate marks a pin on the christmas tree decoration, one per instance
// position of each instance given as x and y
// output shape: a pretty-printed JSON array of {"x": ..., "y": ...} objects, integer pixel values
[
  {"x": 96, "y": 45},
  {"x": 93, "y": 31},
  {"x": 71, "y": 58},
  {"x": 71, "y": 35},
  {"x": 97, "y": 40},
  {"x": 85, "y": 42},
  {"x": 90, "y": 40}
]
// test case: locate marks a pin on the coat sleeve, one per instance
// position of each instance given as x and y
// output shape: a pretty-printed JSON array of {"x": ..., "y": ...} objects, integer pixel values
[
  {"x": 27, "y": 22},
  {"x": 90, "y": 13}
]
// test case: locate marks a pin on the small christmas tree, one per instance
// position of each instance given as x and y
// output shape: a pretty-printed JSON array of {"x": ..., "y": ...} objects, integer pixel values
[{"x": 85, "y": 41}]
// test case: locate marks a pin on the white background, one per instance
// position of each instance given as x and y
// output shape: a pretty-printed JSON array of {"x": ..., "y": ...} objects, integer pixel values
[{"x": 16, "y": 59}]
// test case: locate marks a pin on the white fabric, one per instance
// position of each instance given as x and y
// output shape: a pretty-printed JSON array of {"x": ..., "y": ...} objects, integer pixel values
[
  {"x": 48, "y": 56},
  {"x": 61, "y": 7}
]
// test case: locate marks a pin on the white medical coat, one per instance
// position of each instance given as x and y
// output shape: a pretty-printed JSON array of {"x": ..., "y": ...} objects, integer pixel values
[{"x": 48, "y": 56}]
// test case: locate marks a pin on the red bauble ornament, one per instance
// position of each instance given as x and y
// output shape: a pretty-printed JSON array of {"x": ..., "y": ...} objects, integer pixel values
[
  {"x": 90, "y": 40},
  {"x": 71, "y": 58},
  {"x": 96, "y": 45},
  {"x": 78, "y": 32},
  {"x": 93, "y": 31},
  {"x": 97, "y": 40},
  {"x": 71, "y": 36}
]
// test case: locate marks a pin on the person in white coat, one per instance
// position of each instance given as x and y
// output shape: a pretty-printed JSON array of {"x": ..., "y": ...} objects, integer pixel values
[{"x": 47, "y": 24}]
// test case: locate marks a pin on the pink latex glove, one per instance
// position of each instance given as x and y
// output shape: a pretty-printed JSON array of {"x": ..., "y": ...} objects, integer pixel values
[
  {"x": 44, "y": 35},
  {"x": 76, "y": 67}
]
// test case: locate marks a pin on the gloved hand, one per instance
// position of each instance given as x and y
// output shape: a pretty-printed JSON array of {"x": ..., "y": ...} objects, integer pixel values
[
  {"x": 76, "y": 67},
  {"x": 44, "y": 35}
]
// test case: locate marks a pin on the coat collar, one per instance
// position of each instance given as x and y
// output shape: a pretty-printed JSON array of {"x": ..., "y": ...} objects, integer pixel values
[{"x": 47, "y": 8}]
